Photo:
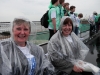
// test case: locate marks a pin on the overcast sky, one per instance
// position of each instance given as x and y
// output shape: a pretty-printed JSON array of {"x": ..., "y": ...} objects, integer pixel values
[{"x": 34, "y": 9}]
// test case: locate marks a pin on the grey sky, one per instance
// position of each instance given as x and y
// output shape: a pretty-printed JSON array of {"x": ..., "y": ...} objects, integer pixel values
[{"x": 34, "y": 9}]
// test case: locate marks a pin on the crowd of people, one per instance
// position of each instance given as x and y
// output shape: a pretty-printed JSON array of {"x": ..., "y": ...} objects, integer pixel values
[
  {"x": 58, "y": 9},
  {"x": 64, "y": 49},
  {"x": 94, "y": 22}
]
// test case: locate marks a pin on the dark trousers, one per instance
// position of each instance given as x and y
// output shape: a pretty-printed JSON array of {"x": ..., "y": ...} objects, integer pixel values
[
  {"x": 82, "y": 73},
  {"x": 76, "y": 30},
  {"x": 97, "y": 27},
  {"x": 51, "y": 33},
  {"x": 92, "y": 29}
]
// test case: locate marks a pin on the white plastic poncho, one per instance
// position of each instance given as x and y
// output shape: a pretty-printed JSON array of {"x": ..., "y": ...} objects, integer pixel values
[
  {"x": 14, "y": 62},
  {"x": 61, "y": 52}
]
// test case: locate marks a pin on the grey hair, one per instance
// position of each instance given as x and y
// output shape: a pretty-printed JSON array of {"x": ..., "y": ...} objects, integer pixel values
[{"x": 18, "y": 21}]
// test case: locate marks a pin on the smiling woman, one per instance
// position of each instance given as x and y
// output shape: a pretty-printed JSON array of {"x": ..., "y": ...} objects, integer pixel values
[
  {"x": 18, "y": 56},
  {"x": 67, "y": 27},
  {"x": 65, "y": 49},
  {"x": 21, "y": 30}
]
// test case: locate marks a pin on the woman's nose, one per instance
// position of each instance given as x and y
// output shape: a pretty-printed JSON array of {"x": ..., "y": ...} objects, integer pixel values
[
  {"x": 67, "y": 26},
  {"x": 22, "y": 31}
]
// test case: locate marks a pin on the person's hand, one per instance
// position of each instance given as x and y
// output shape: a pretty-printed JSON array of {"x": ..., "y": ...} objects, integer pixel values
[
  {"x": 55, "y": 30},
  {"x": 77, "y": 69}
]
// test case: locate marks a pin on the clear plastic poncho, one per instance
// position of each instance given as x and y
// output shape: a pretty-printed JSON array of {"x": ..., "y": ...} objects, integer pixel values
[
  {"x": 63, "y": 55},
  {"x": 14, "y": 62}
]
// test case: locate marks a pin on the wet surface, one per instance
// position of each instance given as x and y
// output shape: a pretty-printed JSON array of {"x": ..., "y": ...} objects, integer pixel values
[{"x": 92, "y": 57}]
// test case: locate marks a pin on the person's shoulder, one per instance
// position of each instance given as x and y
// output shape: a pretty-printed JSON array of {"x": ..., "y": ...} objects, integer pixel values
[
  {"x": 36, "y": 48},
  {"x": 32, "y": 45},
  {"x": 39, "y": 50},
  {"x": 5, "y": 41},
  {"x": 53, "y": 9}
]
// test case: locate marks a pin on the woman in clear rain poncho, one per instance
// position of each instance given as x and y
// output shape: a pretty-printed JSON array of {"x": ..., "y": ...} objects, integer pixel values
[
  {"x": 65, "y": 50},
  {"x": 17, "y": 55}
]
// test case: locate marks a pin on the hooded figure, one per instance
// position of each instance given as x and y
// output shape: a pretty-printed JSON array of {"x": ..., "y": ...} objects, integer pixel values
[{"x": 65, "y": 49}]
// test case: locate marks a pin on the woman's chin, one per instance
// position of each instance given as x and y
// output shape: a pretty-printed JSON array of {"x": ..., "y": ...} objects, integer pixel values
[
  {"x": 66, "y": 34},
  {"x": 21, "y": 40}
]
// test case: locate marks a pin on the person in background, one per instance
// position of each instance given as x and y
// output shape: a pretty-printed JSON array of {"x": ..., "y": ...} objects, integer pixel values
[
  {"x": 66, "y": 9},
  {"x": 92, "y": 30},
  {"x": 73, "y": 17},
  {"x": 54, "y": 18},
  {"x": 17, "y": 55},
  {"x": 65, "y": 48},
  {"x": 97, "y": 20},
  {"x": 92, "y": 23},
  {"x": 80, "y": 15},
  {"x": 61, "y": 4},
  {"x": 97, "y": 42}
]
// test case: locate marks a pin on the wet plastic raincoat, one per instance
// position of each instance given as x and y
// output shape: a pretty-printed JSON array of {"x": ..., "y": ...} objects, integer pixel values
[
  {"x": 62, "y": 54},
  {"x": 14, "y": 62}
]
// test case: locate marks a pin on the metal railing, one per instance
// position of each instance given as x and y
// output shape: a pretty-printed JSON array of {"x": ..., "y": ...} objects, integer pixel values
[
  {"x": 5, "y": 29},
  {"x": 38, "y": 35}
]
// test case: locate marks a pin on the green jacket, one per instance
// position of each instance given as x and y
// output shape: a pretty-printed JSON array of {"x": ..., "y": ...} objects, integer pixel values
[
  {"x": 61, "y": 10},
  {"x": 96, "y": 18},
  {"x": 55, "y": 9}
]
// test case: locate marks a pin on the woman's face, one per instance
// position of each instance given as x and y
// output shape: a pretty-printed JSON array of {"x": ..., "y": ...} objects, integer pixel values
[
  {"x": 21, "y": 33},
  {"x": 67, "y": 29}
]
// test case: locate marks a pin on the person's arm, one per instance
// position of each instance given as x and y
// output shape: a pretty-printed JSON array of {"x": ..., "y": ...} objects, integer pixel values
[
  {"x": 5, "y": 65},
  {"x": 42, "y": 62},
  {"x": 53, "y": 17},
  {"x": 54, "y": 24},
  {"x": 39, "y": 55},
  {"x": 82, "y": 48}
]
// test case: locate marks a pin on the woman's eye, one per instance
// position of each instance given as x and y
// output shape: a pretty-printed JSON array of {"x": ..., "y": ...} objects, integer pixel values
[
  {"x": 26, "y": 29},
  {"x": 65, "y": 25},
  {"x": 18, "y": 28},
  {"x": 69, "y": 24}
]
